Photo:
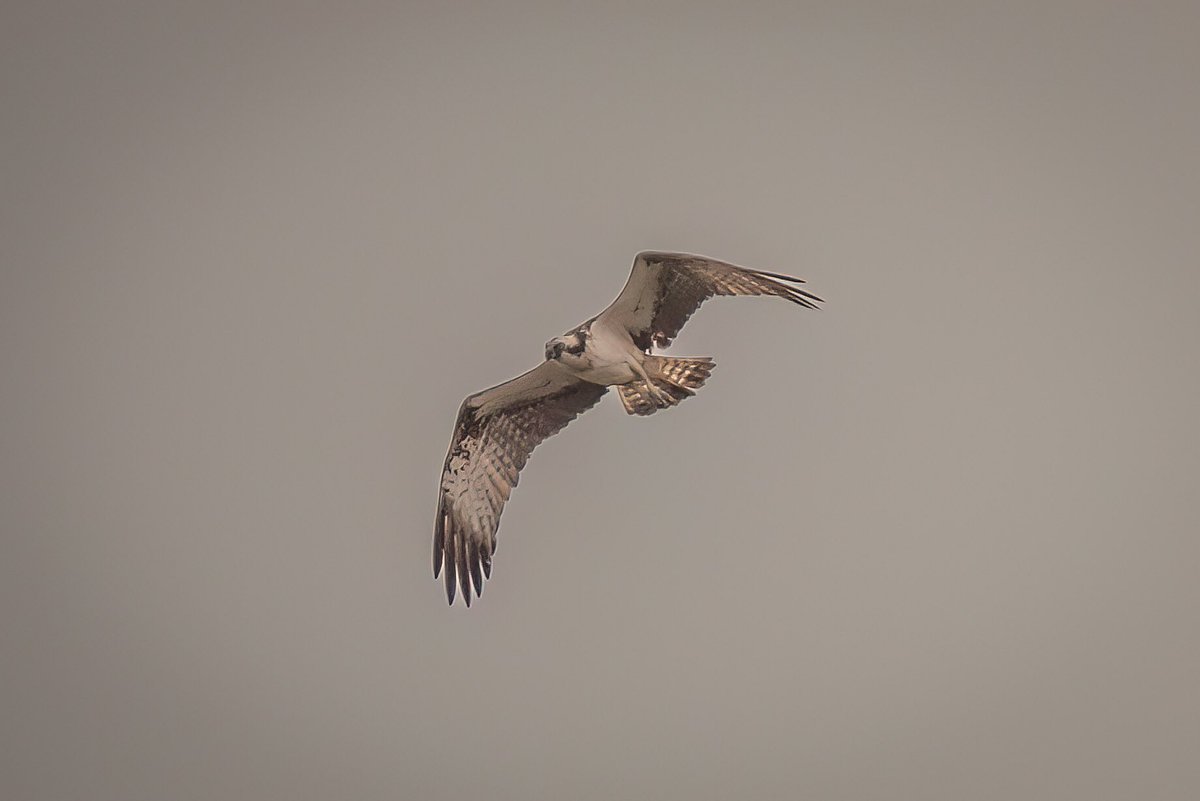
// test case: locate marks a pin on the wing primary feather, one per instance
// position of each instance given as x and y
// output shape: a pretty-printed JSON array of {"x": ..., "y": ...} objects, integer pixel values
[
  {"x": 464, "y": 574},
  {"x": 797, "y": 296},
  {"x": 450, "y": 564},
  {"x": 476, "y": 573},
  {"x": 802, "y": 301},
  {"x": 807, "y": 295},
  {"x": 790, "y": 289},
  {"x": 439, "y": 539},
  {"x": 780, "y": 276}
]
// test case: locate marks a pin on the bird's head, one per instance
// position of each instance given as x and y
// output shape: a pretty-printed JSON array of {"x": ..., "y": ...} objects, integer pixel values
[{"x": 572, "y": 343}]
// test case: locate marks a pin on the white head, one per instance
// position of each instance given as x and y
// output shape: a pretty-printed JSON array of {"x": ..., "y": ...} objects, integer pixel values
[{"x": 572, "y": 342}]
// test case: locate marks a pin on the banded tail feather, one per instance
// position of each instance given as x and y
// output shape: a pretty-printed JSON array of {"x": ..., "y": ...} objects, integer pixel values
[{"x": 678, "y": 377}]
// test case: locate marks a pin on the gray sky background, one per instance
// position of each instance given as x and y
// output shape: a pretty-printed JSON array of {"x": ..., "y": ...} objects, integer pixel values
[{"x": 937, "y": 541}]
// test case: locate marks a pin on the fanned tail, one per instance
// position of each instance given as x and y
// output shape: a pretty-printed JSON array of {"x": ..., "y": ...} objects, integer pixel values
[{"x": 678, "y": 378}]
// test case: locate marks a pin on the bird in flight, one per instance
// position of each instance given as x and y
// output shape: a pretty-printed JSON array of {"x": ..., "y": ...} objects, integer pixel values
[{"x": 498, "y": 428}]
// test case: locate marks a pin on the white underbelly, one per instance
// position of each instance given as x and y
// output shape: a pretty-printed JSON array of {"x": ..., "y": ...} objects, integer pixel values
[{"x": 606, "y": 359}]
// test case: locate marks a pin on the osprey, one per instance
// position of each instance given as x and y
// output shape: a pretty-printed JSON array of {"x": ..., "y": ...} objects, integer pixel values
[{"x": 498, "y": 428}]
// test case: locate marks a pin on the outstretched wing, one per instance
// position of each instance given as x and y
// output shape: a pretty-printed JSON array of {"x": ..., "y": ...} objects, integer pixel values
[
  {"x": 496, "y": 431},
  {"x": 664, "y": 289}
]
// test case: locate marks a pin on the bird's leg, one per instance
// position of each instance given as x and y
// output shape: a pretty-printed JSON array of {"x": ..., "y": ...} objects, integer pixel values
[{"x": 661, "y": 397}]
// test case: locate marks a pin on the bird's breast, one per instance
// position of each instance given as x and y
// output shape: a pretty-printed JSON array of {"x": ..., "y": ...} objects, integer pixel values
[{"x": 605, "y": 358}]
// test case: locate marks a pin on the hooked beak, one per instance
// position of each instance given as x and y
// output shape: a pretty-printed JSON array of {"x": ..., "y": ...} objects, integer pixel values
[{"x": 554, "y": 350}]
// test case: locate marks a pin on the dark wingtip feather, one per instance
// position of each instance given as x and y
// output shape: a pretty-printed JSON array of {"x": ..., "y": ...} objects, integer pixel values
[
  {"x": 794, "y": 293},
  {"x": 779, "y": 276},
  {"x": 464, "y": 574},
  {"x": 804, "y": 299},
  {"x": 439, "y": 540},
  {"x": 476, "y": 572},
  {"x": 449, "y": 577}
]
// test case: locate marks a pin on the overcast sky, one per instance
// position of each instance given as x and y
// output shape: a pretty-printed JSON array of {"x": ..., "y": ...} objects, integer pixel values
[{"x": 935, "y": 541}]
